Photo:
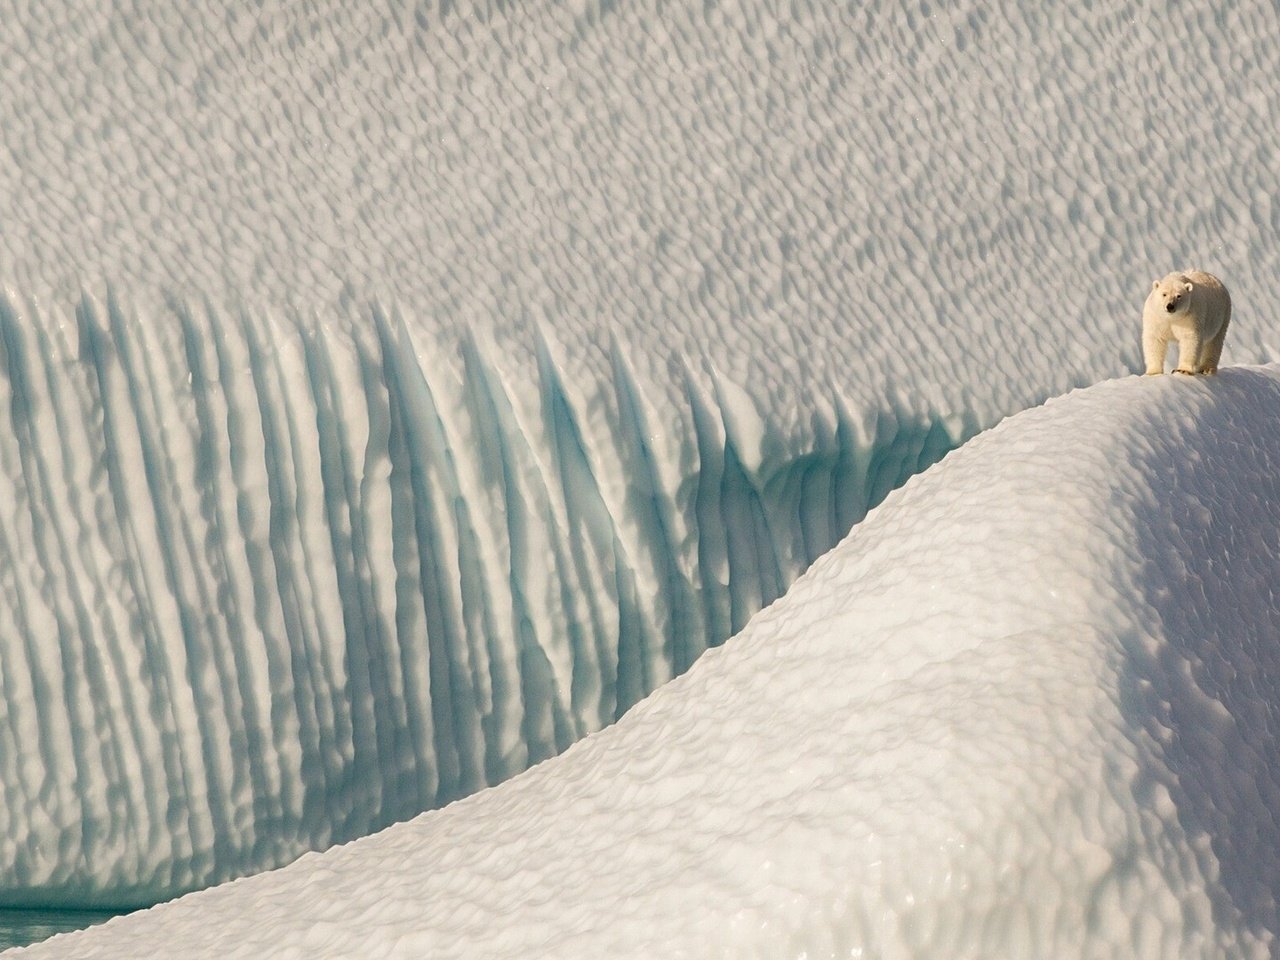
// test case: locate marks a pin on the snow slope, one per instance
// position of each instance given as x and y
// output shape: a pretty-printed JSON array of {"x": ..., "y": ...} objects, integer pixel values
[
  {"x": 446, "y": 378},
  {"x": 1027, "y": 708}
]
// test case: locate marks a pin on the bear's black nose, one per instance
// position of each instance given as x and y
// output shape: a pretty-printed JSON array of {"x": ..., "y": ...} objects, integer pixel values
[{"x": 1171, "y": 307}]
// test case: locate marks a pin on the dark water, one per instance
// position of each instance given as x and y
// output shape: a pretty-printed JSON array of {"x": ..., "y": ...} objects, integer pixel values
[{"x": 21, "y": 927}]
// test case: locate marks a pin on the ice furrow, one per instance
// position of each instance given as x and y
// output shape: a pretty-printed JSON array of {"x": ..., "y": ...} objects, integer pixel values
[
  {"x": 151, "y": 607},
  {"x": 225, "y": 610}
]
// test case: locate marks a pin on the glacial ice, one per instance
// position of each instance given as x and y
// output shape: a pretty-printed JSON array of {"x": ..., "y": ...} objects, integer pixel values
[
  {"x": 1026, "y": 709},
  {"x": 391, "y": 397},
  {"x": 265, "y": 593}
]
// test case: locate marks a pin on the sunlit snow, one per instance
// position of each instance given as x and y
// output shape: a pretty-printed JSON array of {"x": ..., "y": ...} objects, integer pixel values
[
  {"x": 390, "y": 398},
  {"x": 1025, "y": 710}
]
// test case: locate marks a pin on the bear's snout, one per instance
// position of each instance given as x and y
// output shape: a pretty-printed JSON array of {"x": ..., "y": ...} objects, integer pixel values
[{"x": 1171, "y": 307}]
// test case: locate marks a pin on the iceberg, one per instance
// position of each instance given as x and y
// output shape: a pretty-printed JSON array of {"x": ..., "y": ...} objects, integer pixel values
[
  {"x": 391, "y": 398},
  {"x": 1026, "y": 708}
]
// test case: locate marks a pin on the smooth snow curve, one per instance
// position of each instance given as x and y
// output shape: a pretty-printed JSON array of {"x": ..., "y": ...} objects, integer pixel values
[
  {"x": 1026, "y": 709},
  {"x": 450, "y": 376}
]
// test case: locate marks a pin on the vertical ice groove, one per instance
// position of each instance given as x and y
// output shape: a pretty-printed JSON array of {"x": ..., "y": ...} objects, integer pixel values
[
  {"x": 270, "y": 583},
  {"x": 33, "y": 673},
  {"x": 224, "y": 612},
  {"x": 848, "y": 485},
  {"x": 341, "y": 427},
  {"x": 378, "y": 479},
  {"x": 306, "y": 573},
  {"x": 448, "y": 734},
  {"x": 21, "y": 460},
  {"x": 609, "y": 529},
  {"x": 534, "y": 615},
  {"x": 672, "y": 643},
  {"x": 103, "y": 791},
  {"x": 237, "y": 430},
  {"x": 298, "y": 687},
  {"x": 587, "y": 587},
  {"x": 153, "y": 612},
  {"x": 417, "y": 592},
  {"x": 713, "y": 556},
  {"x": 113, "y": 659},
  {"x": 162, "y": 409},
  {"x": 502, "y": 707},
  {"x": 470, "y": 668}
]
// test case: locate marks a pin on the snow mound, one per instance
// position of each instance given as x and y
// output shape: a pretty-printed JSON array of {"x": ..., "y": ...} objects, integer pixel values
[{"x": 1027, "y": 708}]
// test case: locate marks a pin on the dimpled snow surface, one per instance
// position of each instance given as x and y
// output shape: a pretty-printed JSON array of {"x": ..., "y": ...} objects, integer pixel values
[
  {"x": 392, "y": 394},
  {"x": 1028, "y": 708}
]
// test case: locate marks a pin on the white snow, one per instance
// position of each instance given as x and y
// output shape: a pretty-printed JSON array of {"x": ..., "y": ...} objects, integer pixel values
[
  {"x": 391, "y": 397},
  {"x": 1025, "y": 709}
]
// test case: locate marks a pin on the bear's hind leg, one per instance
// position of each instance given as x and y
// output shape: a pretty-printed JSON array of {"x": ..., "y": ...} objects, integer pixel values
[{"x": 1213, "y": 351}]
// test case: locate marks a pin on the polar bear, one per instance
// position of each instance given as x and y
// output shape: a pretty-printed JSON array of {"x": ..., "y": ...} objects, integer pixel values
[{"x": 1193, "y": 308}]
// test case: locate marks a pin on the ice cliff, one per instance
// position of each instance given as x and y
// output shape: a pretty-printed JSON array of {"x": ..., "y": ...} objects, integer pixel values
[
  {"x": 266, "y": 589},
  {"x": 1026, "y": 709}
]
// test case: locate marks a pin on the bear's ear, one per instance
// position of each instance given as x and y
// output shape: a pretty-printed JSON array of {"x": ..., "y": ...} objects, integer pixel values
[
  {"x": 1155, "y": 284},
  {"x": 1188, "y": 286}
]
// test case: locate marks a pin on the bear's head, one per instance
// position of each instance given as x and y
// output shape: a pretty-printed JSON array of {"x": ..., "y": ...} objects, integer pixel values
[{"x": 1173, "y": 293}]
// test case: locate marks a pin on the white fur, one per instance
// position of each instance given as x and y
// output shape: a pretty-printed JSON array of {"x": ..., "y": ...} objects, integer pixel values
[{"x": 1202, "y": 310}]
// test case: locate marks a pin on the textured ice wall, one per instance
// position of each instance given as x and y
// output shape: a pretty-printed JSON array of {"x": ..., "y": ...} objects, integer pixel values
[
  {"x": 266, "y": 588},
  {"x": 1027, "y": 709},
  {"x": 671, "y": 293}
]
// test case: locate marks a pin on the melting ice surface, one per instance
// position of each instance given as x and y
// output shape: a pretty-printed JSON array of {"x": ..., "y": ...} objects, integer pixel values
[
  {"x": 1026, "y": 709},
  {"x": 451, "y": 378}
]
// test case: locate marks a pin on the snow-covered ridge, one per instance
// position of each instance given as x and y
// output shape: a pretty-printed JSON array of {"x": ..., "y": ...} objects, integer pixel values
[
  {"x": 271, "y": 586},
  {"x": 1028, "y": 708}
]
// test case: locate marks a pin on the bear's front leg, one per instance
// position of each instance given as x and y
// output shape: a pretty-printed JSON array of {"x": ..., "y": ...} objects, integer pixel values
[
  {"x": 1154, "y": 346},
  {"x": 1188, "y": 352}
]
